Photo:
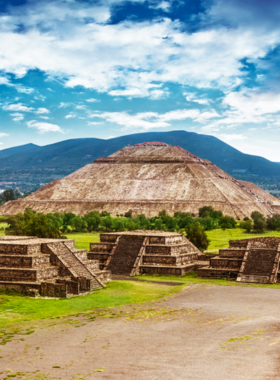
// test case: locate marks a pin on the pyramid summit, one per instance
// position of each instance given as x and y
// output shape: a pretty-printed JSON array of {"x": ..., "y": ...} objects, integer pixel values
[{"x": 147, "y": 178}]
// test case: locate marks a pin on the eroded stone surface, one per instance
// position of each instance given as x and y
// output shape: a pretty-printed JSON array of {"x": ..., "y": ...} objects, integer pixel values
[
  {"x": 47, "y": 267},
  {"x": 147, "y": 179}
]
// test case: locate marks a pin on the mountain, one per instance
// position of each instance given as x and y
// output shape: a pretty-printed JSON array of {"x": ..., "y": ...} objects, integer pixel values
[
  {"x": 42, "y": 164},
  {"x": 18, "y": 150}
]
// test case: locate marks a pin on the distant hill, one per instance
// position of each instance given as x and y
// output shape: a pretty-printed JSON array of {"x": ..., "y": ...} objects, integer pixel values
[
  {"x": 42, "y": 164},
  {"x": 17, "y": 150}
]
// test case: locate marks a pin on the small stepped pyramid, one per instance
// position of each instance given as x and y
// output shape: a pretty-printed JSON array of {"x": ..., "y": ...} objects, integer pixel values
[
  {"x": 147, "y": 252},
  {"x": 250, "y": 260},
  {"x": 47, "y": 267}
]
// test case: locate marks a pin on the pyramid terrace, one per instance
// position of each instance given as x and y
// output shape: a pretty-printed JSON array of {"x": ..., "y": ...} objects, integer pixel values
[{"x": 48, "y": 267}]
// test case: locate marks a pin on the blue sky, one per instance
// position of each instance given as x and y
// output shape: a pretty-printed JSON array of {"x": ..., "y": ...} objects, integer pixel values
[{"x": 105, "y": 68}]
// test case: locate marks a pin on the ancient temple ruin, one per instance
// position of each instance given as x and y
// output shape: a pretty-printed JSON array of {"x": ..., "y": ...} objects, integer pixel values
[
  {"x": 250, "y": 260},
  {"x": 48, "y": 267},
  {"x": 147, "y": 178},
  {"x": 146, "y": 252}
]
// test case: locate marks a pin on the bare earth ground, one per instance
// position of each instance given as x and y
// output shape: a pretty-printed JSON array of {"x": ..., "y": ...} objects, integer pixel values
[{"x": 205, "y": 332}]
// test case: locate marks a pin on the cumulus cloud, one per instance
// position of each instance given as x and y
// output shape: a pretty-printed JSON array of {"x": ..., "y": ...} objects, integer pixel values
[{"x": 43, "y": 127}]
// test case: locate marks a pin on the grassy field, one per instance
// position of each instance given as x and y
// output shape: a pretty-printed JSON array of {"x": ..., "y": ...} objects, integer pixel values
[
  {"x": 15, "y": 307},
  {"x": 82, "y": 240},
  {"x": 220, "y": 238}
]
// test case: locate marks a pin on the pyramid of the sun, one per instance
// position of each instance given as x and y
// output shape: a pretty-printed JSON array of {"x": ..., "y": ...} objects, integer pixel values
[{"x": 146, "y": 178}]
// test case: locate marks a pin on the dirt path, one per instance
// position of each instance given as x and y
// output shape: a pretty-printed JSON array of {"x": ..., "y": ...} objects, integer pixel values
[{"x": 205, "y": 332}]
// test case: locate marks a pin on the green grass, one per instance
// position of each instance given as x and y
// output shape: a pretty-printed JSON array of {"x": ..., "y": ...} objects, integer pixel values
[
  {"x": 2, "y": 227},
  {"x": 15, "y": 307},
  {"x": 82, "y": 240},
  {"x": 220, "y": 238}
]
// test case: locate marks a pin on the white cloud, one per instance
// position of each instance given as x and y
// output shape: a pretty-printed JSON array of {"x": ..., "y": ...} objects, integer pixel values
[
  {"x": 92, "y": 100},
  {"x": 164, "y": 5},
  {"x": 191, "y": 97},
  {"x": 94, "y": 122},
  {"x": 42, "y": 110},
  {"x": 104, "y": 56},
  {"x": 22, "y": 108},
  {"x": 64, "y": 105},
  {"x": 44, "y": 127},
  {"x": 3, "y": 134},
  {"x": 80, "y": 107},
  {"x": 19, "y": 87},
  {"x": 231, "y": 137},
  {"x": 17, "y": 107},
  {"x": 149, "y": 120},
  {"x": 44, "y": 117},
  {"x": 71, "y": 115},
  {"x": 17, "y": 116},
  {"x": 4, "y": 81}
]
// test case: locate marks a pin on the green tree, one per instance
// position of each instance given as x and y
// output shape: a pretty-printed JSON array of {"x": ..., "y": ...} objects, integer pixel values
[
  {"x": 256, "y": 215},
  {"x": 260, "y": 225},
  {"x": 227, "y": 222},
  {"x": 8, "y": 195},
  {"x": 93, "y": 220},
  {"x": 273, "y": 222},
  {"x": 196, "y": 234},
  {"x": 30, "y": 223},
  {"x": 205, "y": 211},
  {"x": 158, "y": 224}
]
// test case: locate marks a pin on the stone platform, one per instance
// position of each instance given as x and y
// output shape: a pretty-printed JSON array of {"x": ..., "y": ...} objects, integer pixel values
[
  {"x": 146, "y": 252},
  {"x": 48, "y": 267},
  {"x": 253, "y": 260}
]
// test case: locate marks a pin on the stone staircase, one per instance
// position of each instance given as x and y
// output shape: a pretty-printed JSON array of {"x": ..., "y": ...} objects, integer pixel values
[
  {"x": 48, "y": 267},
  {"x": 71, "y": 262},
  {"x": 253, "y": 260},
  {"x": 147, "y": 252},
  {"x": 125, "y": 255}
]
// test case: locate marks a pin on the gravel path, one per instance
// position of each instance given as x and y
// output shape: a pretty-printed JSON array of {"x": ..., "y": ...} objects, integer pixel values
[{"x": 205, "y": 332}]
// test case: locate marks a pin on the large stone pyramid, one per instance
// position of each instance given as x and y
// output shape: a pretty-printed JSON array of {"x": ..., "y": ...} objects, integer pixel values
[{"x": 147, "y": 178}]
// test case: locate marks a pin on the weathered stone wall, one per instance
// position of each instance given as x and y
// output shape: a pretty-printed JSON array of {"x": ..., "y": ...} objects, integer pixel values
[
  {"x": 259, "y": 262},
  {"x": 237, "y": 253},
  {"x": 223, "y": 263},
  {"x": 270, "y": 242},
  {"x": 169, "y": 260},
  {"x": 16, "y": 261},
  {"x": 172, "y": 271},
  {"x": 20, "y": 249}
]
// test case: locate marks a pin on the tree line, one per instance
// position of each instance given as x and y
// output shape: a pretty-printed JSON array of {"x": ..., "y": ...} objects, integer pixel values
[{"x": 55, "y": 225}]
